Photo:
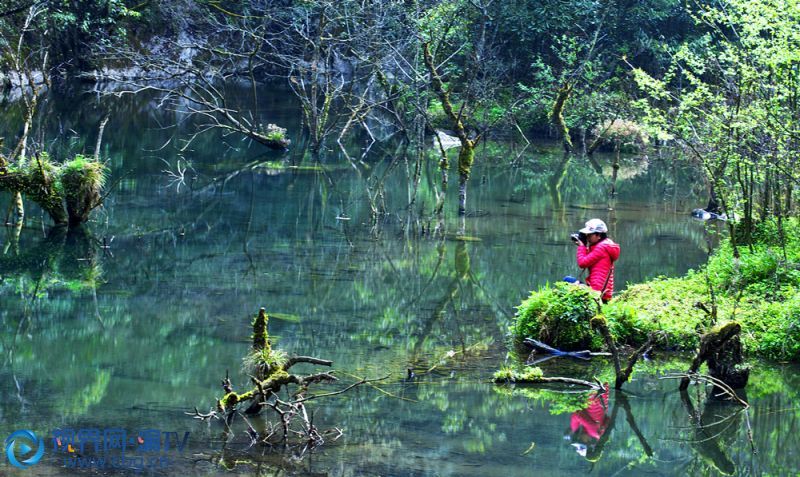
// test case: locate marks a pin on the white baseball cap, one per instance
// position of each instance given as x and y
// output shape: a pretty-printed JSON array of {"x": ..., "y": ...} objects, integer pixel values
[{"x": 595, "y": 226}]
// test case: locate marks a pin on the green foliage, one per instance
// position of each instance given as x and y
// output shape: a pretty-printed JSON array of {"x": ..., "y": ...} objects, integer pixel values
[
  {"x": 527, "y": 374},
  {"x": 82, "y": 174},
  {"x": 713, "y": 101},
  {"x": 558, "y": 315},
  {"x": 761, "y": 290},
  {"x": 79, "y": 29},
  {"x": 623, "y": 132},
  {"x": 662, "y": 304}
]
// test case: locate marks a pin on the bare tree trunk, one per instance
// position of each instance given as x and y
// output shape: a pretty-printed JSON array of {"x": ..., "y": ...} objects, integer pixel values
[{"x": 615, "y": 169}]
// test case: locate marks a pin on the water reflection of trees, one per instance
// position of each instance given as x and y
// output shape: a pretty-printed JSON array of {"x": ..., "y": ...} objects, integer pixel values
[{"x": 188, "y": 268}]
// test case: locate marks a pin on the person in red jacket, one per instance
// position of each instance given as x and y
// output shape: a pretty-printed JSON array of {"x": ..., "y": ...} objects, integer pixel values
[{"x": 598, "y": 254}]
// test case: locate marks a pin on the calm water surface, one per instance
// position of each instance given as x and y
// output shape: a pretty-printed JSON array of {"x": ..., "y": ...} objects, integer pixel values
[{"x": 133, "y": 335}]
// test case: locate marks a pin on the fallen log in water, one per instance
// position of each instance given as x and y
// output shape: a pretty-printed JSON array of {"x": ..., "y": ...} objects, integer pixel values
[{"x": 583, "y": 354}]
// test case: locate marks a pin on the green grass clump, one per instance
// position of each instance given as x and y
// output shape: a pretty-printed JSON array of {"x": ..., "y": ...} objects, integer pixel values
[
  {"x": 83, "y": 172},
  {"x": 662, "y": 304},
  {"x": 558, "y": 315},
  {"x": 528, "y": 374}
]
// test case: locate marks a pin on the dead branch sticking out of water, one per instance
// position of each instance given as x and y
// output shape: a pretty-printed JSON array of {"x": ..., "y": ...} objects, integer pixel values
[
  {"x": 623, "y": 375},
  {"x": 270, "y": 376}
]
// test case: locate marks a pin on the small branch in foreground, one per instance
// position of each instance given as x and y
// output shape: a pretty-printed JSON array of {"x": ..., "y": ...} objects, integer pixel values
[
  {"x": 623, "y": 375},
  {"x": 307, "y": 359}
]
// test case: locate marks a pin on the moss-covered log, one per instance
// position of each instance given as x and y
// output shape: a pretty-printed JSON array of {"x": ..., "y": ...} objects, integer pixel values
[
  {"x": 273, "y": 136},
  {"x": 67, "y": 192},
  {"x": 535, "y": 376},
  {"x": 37, "y": 185}
]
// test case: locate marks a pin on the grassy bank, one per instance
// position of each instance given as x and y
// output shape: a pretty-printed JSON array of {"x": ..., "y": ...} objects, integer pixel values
[{"x": 760, "y": 290}]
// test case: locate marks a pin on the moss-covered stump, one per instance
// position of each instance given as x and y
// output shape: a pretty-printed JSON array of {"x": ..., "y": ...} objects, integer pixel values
[
  {"x": 269, "y": 371},
  {"x": 82, "y": 180},
  {"x": 727, "y": 364},
  {"x": 560, "y": 316},
  {"x": 724, "y": 356}
]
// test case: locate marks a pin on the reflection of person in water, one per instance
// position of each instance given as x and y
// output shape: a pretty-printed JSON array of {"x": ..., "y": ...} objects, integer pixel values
[{"x": 588, "y": 425}]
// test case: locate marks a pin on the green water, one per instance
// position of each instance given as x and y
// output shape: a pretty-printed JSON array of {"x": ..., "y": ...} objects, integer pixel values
[{"x": 132, "y": 335}]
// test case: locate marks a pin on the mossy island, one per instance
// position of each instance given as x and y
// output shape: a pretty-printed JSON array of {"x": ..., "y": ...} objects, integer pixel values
[{"x": 757, "y": 291}]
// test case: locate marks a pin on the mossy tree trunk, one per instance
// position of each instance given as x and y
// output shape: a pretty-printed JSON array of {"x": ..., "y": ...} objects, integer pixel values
[
  {"x": 727, "y": 364},
  {"x": 68, "y": 193},
  {"x": 466, "y": 155},
  {"x": 557, "y": 115},
  {"x": 38, "y": 187}
]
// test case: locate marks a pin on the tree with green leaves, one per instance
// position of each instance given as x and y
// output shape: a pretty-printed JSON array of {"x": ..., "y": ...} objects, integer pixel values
[{"x": 730, "y": 100}]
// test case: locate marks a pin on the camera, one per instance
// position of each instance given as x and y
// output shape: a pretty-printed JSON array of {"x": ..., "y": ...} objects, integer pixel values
[{"x": 578, "y": 237}]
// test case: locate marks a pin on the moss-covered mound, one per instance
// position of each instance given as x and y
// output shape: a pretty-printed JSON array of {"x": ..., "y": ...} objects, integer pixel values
[
  {"x": 760, "y": 290},
  {"x": 558, "y": 315}
]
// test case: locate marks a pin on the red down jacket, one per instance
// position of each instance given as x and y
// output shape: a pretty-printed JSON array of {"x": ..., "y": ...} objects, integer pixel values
[
  {"x": 598, "y": 259},
  {"x": 593, "y": 419}
]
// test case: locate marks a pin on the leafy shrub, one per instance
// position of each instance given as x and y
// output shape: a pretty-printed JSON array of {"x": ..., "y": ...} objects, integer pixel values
[
  {"x": 773, "y": 330},
  {"x": 761, "y": 290},
  {"x": 558, "y": 315}
]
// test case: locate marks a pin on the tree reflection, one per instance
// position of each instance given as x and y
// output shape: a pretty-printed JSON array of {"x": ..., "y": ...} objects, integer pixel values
[{"x": 715, "y": 428}]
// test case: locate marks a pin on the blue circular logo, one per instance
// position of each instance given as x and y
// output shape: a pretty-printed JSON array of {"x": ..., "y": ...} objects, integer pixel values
[{"x": 23, "y": 442}]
